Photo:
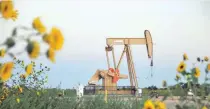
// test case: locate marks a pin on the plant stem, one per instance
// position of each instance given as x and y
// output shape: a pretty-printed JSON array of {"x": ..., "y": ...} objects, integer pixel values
[
  {"x": 24, "y": 28},
  {"x": 195, "y": 95},
  {"x": 32, "y": 34}
]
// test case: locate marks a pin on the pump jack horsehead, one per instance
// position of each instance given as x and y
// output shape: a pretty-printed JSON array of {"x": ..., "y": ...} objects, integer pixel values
[{"x": 111, "y": 76}]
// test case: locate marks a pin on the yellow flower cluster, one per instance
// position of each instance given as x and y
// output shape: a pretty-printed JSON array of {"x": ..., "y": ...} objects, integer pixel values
[
  {"x": 7, "y": 10},
  {"x": 4, "y": 95},
  {"x": 54, "y": 39},
  {"x": 196, "y": 71},
  {"x": 156, "y": 105}
]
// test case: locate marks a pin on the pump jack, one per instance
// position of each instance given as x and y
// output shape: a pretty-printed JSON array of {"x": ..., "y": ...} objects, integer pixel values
[{"x": 112, "y": 75}]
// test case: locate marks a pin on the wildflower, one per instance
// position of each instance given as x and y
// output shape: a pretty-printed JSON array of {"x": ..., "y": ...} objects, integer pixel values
[
  {"x": 160, "y": 105},
  {"x": 38, "y": 25},
  {"x": 2, "y": 97},
  {"x": 29, "y": 69},
  {"x": 149, "y": 105},
  {"x": 23, "y": 76},
  {"x": 6, "y": 70},
  {"x": 20, "y": 89},
  {"x": 197, "y": 72},
  {"x": 54, "y": 39},
  {"x": 2, "y": 52},
  {"x": 5, "y": 90},
  {"x": 181, "y": 67},
  {"x": 204, "y": 107},
  {"x": 206, "y": 58},
  {"x": 18, "y": 100},
  {"x": 185, "y": 57},
  {"x": 7, "y": 10},
  {"x": 51, "y": 54},
  {"x": 33, "y": 49},
  {"x": 164, "y": 83},
  {"x": 37, "y": 93}
]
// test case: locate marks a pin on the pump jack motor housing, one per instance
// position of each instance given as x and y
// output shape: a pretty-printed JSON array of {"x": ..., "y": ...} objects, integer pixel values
[{"x": 112, "y": 75}]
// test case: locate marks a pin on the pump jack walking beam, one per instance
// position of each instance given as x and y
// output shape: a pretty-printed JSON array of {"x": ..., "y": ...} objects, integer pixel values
[
  {"x": 127, "y": 42},
  {"x": 133, "y": 41}
]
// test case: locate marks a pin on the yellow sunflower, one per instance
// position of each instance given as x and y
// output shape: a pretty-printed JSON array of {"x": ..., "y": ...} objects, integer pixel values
[
  {"x": 197, "y": 72},
  {"x": 206, "y": 58},
  {"x": 181, "y": 67},
  {"x": 160, "y": 105},
  {"x": 2, "y": 52},
  {"x": 51, "y": 54},
  {"x": 38, "y": 25},
  {"x": 33, "y": 49},
  {"x": 208, "y": 67},
  {"x": 6, "y": 71},
  {"x": 54, "y": 39},
  {"x": 204, "y": 107},
  {"x": 29, "y": 69},
  {"x": 7, "y": 9},
  {"x": 185, "y": 57},
  {"x": 149, "y": 105}
]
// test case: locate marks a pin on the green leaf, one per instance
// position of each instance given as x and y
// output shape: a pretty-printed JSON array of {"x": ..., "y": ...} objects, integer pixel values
[
  {"x": 10, "y": 42},
  {"x": 14, "y": 32}
]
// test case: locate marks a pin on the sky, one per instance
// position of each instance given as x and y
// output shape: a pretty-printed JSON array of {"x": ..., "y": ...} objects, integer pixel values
[{"x": 176, "y": 27}]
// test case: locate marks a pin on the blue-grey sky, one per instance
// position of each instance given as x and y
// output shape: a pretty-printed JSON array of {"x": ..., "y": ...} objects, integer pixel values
[{"x": 176, "y": 27}]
